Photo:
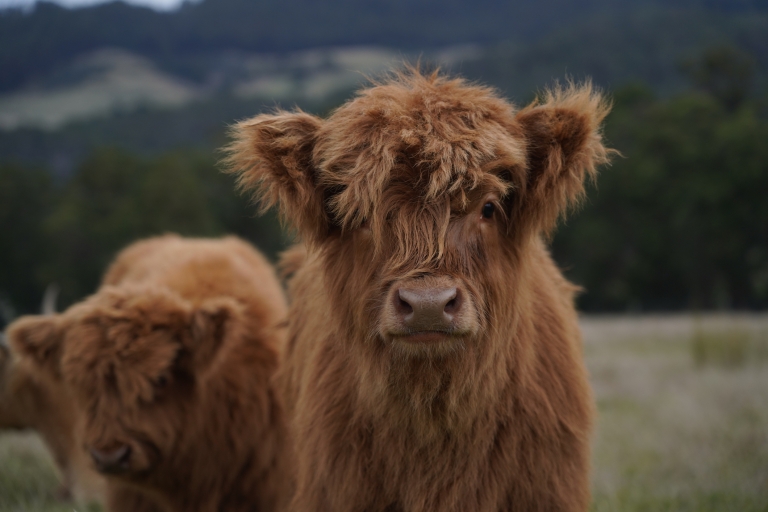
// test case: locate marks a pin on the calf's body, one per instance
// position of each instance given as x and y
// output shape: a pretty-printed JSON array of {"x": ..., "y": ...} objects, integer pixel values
[
  {"x": 378, "y": 430},
  {"x": 433, "y": 359}
]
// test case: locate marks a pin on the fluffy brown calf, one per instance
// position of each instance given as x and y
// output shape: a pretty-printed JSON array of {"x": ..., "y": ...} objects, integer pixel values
[
  {"x": 169, "y": 364},
  {"x": 434, "y": 356},
  {"x": 35, "y": 400}
]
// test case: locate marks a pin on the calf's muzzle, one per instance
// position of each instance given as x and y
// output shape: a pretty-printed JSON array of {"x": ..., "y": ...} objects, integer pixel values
[
  {"x": 427, "y": 309},
  {"x": 112, "y": 460}
]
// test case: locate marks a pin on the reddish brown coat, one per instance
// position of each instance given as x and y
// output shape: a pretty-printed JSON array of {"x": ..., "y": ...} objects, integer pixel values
[
  {"x": 391, "y": 193},
  {"x": 169, "y": 364}
]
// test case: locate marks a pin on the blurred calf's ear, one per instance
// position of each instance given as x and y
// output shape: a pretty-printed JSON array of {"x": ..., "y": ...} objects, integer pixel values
[
  {"x": 38, "y": 338},
  {"x": 272, "y": 157},
  {"x": 212, "y": 323},
  {"x": 4, "y": 353},
  {"x": 564, "y": 146}
]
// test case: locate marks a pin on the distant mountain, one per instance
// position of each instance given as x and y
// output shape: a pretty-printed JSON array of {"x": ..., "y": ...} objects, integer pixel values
[
  {"x": 96, "y": 84},
  {"x": 146, "y": 81},
  {"x": 108, "y": 81},
  {"x": 34, "y": 43},
  {"x": 651, "y": 48},
  {"x": 612, "y": 48}
]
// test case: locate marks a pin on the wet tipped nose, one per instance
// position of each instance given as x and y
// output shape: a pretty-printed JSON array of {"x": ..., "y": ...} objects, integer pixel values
[
  {"x": 429, "y": 309},
  {"x": 112, "y": 459}
]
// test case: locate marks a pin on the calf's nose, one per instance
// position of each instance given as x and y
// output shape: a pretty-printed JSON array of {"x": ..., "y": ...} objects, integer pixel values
[
  {"x": 427, "y": 309},
  {"x": 112, "y": 459}
]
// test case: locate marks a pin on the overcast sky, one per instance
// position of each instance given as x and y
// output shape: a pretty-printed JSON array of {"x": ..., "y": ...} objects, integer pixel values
[{"x": 156, "y": 4}]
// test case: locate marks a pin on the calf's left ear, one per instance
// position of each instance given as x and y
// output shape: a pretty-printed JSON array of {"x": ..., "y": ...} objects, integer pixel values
[
  {"x": 39, "y": 338},
  {"x": 272, "y": 157},
  {"x": 564, "y": 146}
]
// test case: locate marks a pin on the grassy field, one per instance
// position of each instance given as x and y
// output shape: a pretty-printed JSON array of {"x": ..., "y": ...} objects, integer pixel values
[
  {"x": 683, "y": 419},
  {"x": 683, "y": 413}
]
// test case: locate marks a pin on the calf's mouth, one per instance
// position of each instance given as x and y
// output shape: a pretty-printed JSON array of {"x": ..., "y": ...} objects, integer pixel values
[{"x": 426, "y": 337}]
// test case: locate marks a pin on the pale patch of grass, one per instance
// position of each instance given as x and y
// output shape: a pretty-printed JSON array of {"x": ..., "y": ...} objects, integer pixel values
[
  {"x": 674, "y": 434},
  {"x": 729, "y": 347},
  {"x": 28, "y": 480},
  {"x": 718, "y": 502}
]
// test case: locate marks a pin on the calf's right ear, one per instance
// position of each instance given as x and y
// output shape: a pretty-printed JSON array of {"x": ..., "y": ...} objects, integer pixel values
[
  {"x": 37, "y": 337},
  {"x": 213, "y": 323},
  {"x": 272, "y": 157}
]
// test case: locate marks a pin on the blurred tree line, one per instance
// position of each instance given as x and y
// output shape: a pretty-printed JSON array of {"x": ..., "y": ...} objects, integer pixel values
[
  {"x": 67, "y": 231},
  {"x": 679, "y": 221}
]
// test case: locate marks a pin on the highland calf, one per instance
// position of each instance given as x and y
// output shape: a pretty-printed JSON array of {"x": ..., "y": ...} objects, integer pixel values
[
  {"x": 169, "y": 364},
  {"x": 433, "y": 359},
  {"x": 34, "y": 400}
]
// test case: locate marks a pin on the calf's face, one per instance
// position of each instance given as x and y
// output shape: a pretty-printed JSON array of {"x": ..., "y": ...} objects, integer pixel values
[
  {"x": 133, "y": 360},
  {"x": 424, "y": 280},
  {"x": 421, "y": 196}
]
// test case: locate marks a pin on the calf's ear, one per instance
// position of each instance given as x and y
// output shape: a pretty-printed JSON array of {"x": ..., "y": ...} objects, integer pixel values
[
  {"x": 564, "y": 146},
  {"x": 5, "y": 355},
  {"x": 272, "y": 157},
  {"x": 38, "y": 338},
  {"x": 213, "y": 322}
]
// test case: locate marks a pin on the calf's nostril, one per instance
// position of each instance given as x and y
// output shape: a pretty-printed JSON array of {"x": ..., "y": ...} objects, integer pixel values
[{"x": 403, "y": 306}]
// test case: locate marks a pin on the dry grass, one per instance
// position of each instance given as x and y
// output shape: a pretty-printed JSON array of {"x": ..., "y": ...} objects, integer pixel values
[
  {"x": 28, "y": 481},
  {"x": 683, "y": 405},
  {"x": 683, "y": 424}
]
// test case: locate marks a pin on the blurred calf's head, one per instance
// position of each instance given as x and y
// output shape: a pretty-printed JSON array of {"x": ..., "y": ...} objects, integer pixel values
[{"x": 133, "y": 359}]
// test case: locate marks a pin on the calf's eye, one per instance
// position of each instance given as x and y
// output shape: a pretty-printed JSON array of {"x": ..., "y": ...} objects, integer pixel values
[{"x": 487, "y": 211}]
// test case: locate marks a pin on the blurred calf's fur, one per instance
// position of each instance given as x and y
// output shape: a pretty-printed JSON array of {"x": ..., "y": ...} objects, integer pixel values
[{"x": 169, "y": 365}]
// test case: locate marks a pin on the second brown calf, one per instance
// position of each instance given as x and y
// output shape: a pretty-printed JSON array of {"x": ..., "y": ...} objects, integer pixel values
[{"x": 169, "y": 365}]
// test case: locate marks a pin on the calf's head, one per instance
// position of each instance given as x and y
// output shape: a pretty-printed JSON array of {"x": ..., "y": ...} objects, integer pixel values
[
  {"x": 420, "y": 197},
  {"x": 133, "y": 360}
]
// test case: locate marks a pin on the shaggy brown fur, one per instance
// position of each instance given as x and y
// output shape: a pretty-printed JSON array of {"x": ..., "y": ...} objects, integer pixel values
[
  {"x": 169, "y": 363},
  {"x": 418, "y": 184},
  {"x": 31, "y": 399}
]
